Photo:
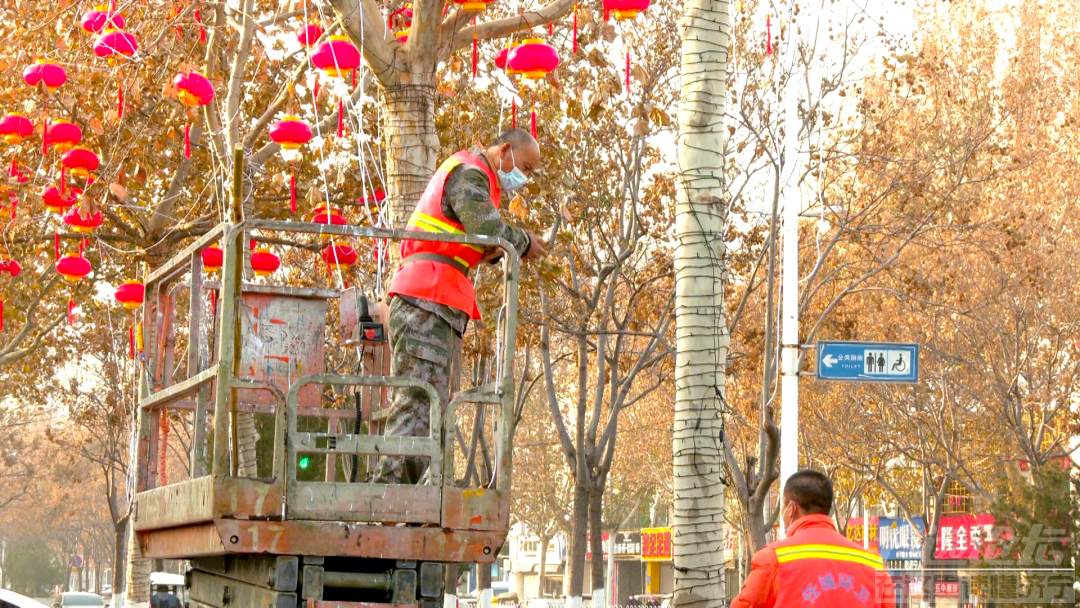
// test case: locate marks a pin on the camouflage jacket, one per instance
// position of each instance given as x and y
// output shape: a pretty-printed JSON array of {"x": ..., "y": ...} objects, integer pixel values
[{"x": 466, "y": 200}]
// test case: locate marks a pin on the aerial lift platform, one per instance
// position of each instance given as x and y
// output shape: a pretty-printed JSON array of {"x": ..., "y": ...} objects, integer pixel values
[{"x": 286, "y": 539}]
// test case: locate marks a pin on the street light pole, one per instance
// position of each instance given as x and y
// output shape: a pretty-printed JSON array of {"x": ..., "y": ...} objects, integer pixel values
[{"x": 789, "y": 321}]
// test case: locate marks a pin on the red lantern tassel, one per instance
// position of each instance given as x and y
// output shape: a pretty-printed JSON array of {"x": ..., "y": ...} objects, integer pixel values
[
  {"x": 627, "y": 72},
  {"x": 341, "y": 118},
  {"x": 513, "y": 113},
  {"x": 354, "y": 79},
  {"x": 575, "y": 28},
  {"x": 131, "y": 341},
  {"x": 551, "y": 28},
  {"x": 58, "y": 243},
  {"x": 71, "y": 312},
  {"x": 45, "y": 136},
  {"x": 315, "y": 92},
  {"x": 119, "y": 98},
  {"x": 63, "y": 179},
  {"x": 292, "y": 190},
  {"x": 768, "y": 35},
  {"x": 202, "y": 30},
  {"x": 475, "y": 54},
  {"x": 532, "y": 117},
  {"x": 187, "y": 140}
]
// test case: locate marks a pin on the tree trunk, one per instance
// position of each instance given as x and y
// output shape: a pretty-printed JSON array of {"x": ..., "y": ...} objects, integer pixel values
[
  {"x": 483, "y": 585},
  {"x": 596, "y": 546},
  {"x": 579, "y": 526},
  {"x": 701, "y": 332},
  {"x": 545, "y": 540},
  {"x": 412, "y": 146},
  {"x": 137, "y": 586},
  {"x": 758, "y": 527},
  {"x": 120, "y": 554}
]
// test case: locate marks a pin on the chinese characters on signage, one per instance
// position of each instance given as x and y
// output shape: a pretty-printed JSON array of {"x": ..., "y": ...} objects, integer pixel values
[
  {"x": 964, "y": 536},
  {"x": 855, "y": 531},
  {"x": 898, "y": 540},
  {"x": 946, "y": 588},
  {"x": 655, "y": 544},
  {"x": 627, "y": 545}
]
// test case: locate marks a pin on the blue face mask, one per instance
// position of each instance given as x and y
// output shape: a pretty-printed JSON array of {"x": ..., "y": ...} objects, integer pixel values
[{"x": 514, "y": 179}]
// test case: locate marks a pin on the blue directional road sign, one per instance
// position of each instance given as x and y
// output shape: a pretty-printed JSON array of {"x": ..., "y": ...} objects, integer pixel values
[{"x": 867, "y": 361}]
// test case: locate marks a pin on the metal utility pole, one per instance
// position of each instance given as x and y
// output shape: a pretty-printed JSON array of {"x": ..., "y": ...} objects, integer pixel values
[{"x": 789, "y": 321}]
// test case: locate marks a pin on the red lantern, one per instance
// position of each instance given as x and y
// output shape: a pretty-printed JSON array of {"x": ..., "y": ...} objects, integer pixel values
[
  {"x": 309, "y": 34},
  {"x": 194, "y": 90},
  {"x": 372, "y": 202},
  {"x": 504, "y": 54},
  {"x": 624, "y": 9},
  {"x": 131, "y": 294},
  {"x": 55, "y": 202},
  {"x": 80, "y": 161},
  {"x": 73, "y": 267},
  {"x": 63, "y": 135},
  {"x": 533, "y": 59},
  {"x": 12, "y": 268},
  {"x": 16, "y": 127},
  {"x": 473, "y": 6},
  {"x": 334, "y": 218},
  {"x": 339, "y": 257},
  {"x": 115, "y": 42},
  {"x": 264, "y": 263},
  {"x": 82, "y": 224},
  {"x": 213, "y": 258},
  {"x": 290, "y": 133},
  {"x": 404, "y": 15},
  {"x": 45, "y": 71},
  {"x": 336, "y": 56},
  {"x": 100, "y": 18}
]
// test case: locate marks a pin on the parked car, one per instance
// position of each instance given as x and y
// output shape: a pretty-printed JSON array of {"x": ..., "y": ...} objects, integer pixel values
[
  {"x": 10, "y": 599},
  {"x": 78, "y": 599}
]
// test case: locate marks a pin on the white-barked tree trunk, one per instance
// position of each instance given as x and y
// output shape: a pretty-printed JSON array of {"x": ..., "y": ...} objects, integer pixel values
[{"x": 701, "y": 330}]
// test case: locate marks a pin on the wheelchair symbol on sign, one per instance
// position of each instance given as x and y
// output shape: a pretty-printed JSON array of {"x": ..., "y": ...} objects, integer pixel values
[{"x": 900, "y": 366}]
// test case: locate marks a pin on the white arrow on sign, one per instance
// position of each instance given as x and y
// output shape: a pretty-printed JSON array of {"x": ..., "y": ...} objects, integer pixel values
[{"x": 829, "y": 360}]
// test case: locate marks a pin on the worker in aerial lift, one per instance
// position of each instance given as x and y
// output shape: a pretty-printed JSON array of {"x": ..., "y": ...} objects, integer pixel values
[{"x": 431, "y": 296}]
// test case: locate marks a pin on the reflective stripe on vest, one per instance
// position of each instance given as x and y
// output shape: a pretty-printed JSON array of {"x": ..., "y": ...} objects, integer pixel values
[
  {"x": 424, "y": 276},
  {"x": 797, "y": 552}
]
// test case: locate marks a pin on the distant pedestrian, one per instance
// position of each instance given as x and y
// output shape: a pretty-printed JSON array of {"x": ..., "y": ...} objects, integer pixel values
[
  {"x": 815, "y": 565},
  {"x": 162, "y": 598}
]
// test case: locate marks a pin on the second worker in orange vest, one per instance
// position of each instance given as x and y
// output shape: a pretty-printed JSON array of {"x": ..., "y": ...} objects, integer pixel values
[
  {"x": 431, "y": 295},
  {"x": 815, "y": 565}
]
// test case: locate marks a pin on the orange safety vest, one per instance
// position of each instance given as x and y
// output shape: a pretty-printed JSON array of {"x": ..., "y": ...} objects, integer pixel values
[
  {"x": 439, "y": 271},
  {"x": 816, "y": 566}
]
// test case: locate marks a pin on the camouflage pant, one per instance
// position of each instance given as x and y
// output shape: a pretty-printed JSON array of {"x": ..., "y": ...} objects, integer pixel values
[{"x": 422, "y": 347}]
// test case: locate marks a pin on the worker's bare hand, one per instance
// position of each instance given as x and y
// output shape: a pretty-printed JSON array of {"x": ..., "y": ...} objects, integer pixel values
[
  {"x": 492, "y": 254},
  {"x": 537, "y": 248}
]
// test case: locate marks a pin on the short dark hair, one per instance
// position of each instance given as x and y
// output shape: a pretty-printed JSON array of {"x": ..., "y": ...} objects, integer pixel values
[
  {"x": 811, "y": 490},
  {"x": 517, "y": 138}
]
